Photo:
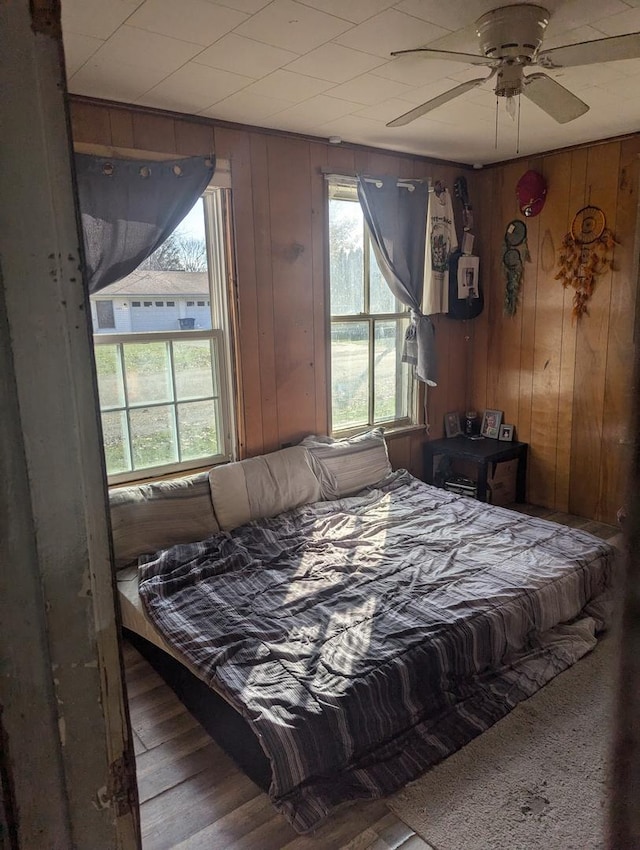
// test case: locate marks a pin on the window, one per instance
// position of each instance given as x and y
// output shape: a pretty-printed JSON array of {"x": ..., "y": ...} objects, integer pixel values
[
  {"x": 190, "y": 303},
  {"x": 369, "y": 383},
  {"x": 200, "y": 303},
  {"x": 105, "y": 314},
  {"x": 135, "y": 303},
  {"x": 164, "y": 379}
]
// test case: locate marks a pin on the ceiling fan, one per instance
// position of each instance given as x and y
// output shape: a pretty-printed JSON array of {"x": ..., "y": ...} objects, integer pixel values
[{"x": 510, "y": 38}]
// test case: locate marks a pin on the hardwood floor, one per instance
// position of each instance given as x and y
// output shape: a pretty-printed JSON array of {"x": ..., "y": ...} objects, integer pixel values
[{"x": 193, "y": 797}]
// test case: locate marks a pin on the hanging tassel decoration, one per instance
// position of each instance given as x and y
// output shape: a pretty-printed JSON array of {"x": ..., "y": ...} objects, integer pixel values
[{"x": 585, "y": 253}]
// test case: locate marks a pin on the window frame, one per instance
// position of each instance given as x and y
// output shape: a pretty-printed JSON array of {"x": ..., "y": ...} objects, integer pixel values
[
  {"x": 215, "y": 207},
  {"x": 346, "y": 190}
]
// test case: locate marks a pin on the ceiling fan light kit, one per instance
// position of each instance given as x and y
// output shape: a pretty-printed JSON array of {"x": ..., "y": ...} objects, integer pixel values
[{"x": 510, "y": 40}]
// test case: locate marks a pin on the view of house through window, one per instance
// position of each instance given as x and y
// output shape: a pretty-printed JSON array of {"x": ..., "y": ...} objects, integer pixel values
[
  {"x": 161, "y": 355},
  {"x": 369, "y": 383}
]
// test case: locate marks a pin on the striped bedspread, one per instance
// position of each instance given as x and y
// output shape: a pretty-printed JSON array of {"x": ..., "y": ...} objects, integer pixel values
[{"x": 368, "y": 638}]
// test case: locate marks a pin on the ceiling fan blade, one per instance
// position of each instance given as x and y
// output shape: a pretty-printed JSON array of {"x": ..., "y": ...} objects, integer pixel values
[
  {"x": 441, "y": 99},
  {"x": 554, "y": 99},
  {"x": 588, "y": 52},
  {"x": 448, "y": 55}
]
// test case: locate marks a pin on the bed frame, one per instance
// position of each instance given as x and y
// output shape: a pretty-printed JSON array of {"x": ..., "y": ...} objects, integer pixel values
[{"x": 226, "y": 726}]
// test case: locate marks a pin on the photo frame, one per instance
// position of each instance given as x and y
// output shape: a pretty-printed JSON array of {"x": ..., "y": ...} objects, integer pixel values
[
  {"x": 452, "y": 427},
  {"x": 506, "y": 433},
  {"x": 491, "y": 422}
]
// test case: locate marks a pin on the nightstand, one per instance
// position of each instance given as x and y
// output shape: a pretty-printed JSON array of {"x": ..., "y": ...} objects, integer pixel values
[{"x": 482, "y": 453}]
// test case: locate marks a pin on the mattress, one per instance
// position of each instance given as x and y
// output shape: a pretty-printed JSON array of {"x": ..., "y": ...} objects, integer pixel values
[{"x": 365, "y": 639}]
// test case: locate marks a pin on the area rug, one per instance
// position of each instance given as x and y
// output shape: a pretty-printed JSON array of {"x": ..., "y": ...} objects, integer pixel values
[{"x": 536, "y": 780}]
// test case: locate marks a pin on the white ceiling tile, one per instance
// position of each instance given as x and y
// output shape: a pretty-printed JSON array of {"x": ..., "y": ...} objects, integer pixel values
[
  {"x": 385, "y": 111},
  {"x": 570, "y": 36},
  {"x": 355, "y": 11},
  {"x": 465, "y": 73},
  {"x": 416, "y": 70},
  {"x": 474, "y": 113},
  {"x": 368, "y": 89},
  {"x": 248, "y": 6},
  {"x": 245, "y": 56},
  {"x": 113, "y": 81},
  {"x": 351, "y": 128},
  {"x": 318, "y": 110},
  {"x": 193, "y": 88},
  {"x": 391, "y": 31},
  {"x": 626, "y": 22},
  {"x": 243, "y": 103},
  {"x": 577, "y": 13},
  {"x": 77, "y": 49},
  {"x": 96, "y": 17},
  {"x": 302, "y": 65},
  {"x": 292, "y": 26},
  {"x": 143, "y": 49},
  {"x": 422, "y": 94},
  {"x": 464, "y": 40},
  {"x": 189, "y": 20},
  {"x": 582, "y": 77},
  {"x": 451, "y": 14},
  {"x": 284, "y": 85},
  {"x": 334, "y": 63}
]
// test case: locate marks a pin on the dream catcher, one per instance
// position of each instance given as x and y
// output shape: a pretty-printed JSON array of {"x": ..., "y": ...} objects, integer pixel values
[
  {"x": 515, "y": 252},
  {"x": 586, "y": 252}
]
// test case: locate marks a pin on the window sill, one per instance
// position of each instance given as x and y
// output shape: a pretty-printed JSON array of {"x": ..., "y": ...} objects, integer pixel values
[{"x": 404, "y": 431}]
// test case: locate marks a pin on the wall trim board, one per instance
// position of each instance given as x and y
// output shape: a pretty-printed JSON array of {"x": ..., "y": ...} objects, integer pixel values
[
  {"x": 568, "y": 149},
  {"x": 65, "y": 716},
  {"x": 252, "y": 128}
]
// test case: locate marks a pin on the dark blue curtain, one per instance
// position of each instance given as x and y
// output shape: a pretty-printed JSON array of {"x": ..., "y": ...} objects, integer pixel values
[
  {"x": 396, "y": 216},
  {"x": 128, "y": 208}
]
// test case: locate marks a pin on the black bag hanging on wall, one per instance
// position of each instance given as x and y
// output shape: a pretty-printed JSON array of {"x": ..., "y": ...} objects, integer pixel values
[{"x": 472, "y": 304}]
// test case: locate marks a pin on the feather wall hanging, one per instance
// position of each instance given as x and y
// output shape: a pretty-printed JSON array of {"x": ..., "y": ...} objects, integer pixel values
[{"x": 586, "y": 252}]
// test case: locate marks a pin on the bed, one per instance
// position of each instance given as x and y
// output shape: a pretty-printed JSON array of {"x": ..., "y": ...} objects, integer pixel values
[{"x": 364, "y": 637}]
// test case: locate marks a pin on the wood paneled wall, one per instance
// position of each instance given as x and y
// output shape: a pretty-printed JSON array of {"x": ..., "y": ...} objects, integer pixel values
[
  {"x": 566, "y": 384},
  {"x": 280, "y": 214}
]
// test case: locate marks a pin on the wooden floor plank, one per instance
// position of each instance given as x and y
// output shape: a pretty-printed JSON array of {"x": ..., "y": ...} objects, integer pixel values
[
  {"x": 341, "y": 828},
  {"x": 165, "y": 754},
  {"x": 183, "y": 768},
  {"x": 189, "y": 807},
  {"x": 228, "y": 830},
  {"x": 153, "y": 732}
]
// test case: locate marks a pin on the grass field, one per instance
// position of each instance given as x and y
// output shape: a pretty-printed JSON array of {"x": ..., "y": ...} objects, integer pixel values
[
  {"x": 179, "y": 426},
  {"x": 350, "y": 382},
  {"x": 168, "y": 426}
]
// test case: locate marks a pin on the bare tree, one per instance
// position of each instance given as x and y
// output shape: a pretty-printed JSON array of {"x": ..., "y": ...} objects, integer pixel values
[{"x": 178, "y": 253}]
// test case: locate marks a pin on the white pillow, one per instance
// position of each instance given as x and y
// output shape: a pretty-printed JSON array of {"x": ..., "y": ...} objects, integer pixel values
[
  {"x": 263, "y": 486},
  {"x": 349, "y": 465}
]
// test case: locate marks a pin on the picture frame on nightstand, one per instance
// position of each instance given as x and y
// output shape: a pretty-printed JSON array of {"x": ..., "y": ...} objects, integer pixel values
[
  {"x": 491, "y": 422},
  {"x": 452, "y": 426},
  {"x": 506, "y": 433}
]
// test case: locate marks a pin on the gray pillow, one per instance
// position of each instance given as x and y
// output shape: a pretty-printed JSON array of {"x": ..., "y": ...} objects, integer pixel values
[
  {"x": 349, "y": 465},
  {"x": 148, "y": 517}
]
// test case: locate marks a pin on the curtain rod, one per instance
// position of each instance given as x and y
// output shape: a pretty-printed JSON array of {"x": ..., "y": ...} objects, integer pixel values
[{"x": 351, "y": 177}]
